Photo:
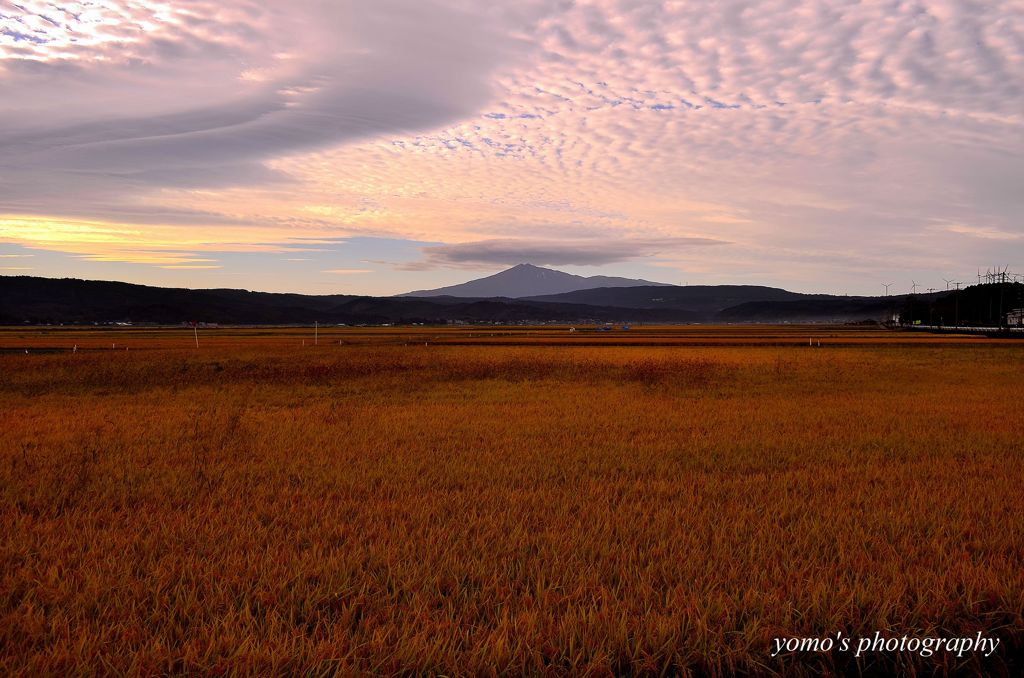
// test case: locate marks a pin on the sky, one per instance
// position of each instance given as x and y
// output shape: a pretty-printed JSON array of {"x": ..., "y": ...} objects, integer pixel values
[{"x": 338, "y": 146}]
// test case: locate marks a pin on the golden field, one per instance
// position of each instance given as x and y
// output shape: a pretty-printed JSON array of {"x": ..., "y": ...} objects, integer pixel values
[{"x": 499, "y": 501}]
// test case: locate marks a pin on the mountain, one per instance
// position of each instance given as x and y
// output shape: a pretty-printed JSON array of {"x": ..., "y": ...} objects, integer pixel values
[{"x": 527, "y": 280}]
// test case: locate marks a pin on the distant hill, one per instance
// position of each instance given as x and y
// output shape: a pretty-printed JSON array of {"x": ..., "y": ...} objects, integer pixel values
[
  {"x": 812, "y": 309},
  {"x": 24, "y": 298},
  {"x": 704, "y": 299},
  {"x": 983, "y": 305},
  {"x": 527, "y": 280},
  {"x": 46, "y": 300},
  {"x": 745, "y": 303}
]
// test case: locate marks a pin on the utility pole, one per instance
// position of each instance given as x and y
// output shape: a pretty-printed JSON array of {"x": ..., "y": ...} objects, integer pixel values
[
  {"x": 957, "y": 303},
  {"x": 888, "y": 321}
]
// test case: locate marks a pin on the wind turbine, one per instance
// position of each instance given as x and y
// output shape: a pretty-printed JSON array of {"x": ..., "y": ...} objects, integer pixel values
[
  {"x": 948, "y": 282},
  {"x": 887, "y": 286},
  {"x": 913, "y": 287}
]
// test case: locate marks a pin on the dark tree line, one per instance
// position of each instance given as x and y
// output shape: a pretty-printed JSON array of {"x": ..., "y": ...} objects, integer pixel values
[{"x": 984, "y": 305}]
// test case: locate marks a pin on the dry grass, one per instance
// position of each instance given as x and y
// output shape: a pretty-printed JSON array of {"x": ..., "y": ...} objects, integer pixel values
[{"x": 381, "y": 506}]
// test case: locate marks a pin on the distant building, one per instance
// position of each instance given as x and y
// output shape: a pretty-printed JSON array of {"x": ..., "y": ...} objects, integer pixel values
[{"x": 1015, "y": 318}]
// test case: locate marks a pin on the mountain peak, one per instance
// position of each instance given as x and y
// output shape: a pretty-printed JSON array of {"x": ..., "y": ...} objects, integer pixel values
[
  {"x": 526, "y": 280},
  {"x": 527, "y": 266}
]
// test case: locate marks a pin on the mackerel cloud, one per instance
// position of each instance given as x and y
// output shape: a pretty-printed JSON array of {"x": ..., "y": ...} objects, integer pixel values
[{"x": 801, "y": 135}]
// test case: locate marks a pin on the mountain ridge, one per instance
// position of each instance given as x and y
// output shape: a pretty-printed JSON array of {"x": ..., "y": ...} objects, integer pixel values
[
  {"x": 35, "y": 300},
  {"x": 703, "y": 298}
]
